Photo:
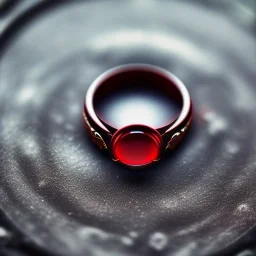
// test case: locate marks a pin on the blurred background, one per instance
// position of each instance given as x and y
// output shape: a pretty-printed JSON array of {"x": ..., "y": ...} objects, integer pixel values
[{"x": 60, "y": 196}]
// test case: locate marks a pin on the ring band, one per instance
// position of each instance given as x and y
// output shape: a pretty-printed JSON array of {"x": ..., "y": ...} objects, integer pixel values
[{"x": 137, "y": 145}]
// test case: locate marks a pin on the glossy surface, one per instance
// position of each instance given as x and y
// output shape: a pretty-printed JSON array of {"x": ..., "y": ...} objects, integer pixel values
[
  {"x": 70, "y": 199},
  {"x": 136, "y": 145},
  {"x": 141, "y": 93}
]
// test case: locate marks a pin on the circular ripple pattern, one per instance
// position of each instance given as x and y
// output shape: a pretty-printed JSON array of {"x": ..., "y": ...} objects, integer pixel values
[{"x": 71, "y": 199}]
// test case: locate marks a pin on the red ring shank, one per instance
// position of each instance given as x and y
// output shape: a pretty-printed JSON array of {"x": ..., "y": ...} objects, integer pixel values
[{"x": 171, "y": 134}]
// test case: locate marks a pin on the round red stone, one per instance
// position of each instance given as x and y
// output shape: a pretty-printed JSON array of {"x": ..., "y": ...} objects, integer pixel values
[{"x": 136, "y": 145}]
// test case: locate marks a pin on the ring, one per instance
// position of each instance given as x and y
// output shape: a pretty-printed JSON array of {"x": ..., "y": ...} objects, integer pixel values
[{"x": 137, "y": 145}]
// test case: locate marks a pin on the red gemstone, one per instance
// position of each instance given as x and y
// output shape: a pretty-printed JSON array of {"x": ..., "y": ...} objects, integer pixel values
[{"x": 136, "y": 145}]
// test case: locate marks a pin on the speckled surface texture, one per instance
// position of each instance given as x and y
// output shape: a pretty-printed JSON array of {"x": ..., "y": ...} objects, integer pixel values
[{"x": 69, "y": 199}]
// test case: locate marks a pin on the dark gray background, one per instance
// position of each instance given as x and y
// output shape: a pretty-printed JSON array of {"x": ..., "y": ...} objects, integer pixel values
[{"x": 69, "y": 199}]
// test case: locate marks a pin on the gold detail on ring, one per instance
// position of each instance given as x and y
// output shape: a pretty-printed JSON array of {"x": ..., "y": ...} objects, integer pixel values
[
  {"x": 177, "y": 134},
  {"x": 177, "y": 137},
  {"x": 96, "y": 137},
  {"x": 185, "y": 128}
]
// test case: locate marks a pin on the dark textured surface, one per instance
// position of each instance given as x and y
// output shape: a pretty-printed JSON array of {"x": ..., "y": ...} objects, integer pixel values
[{"x": 65, "y": 196}]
